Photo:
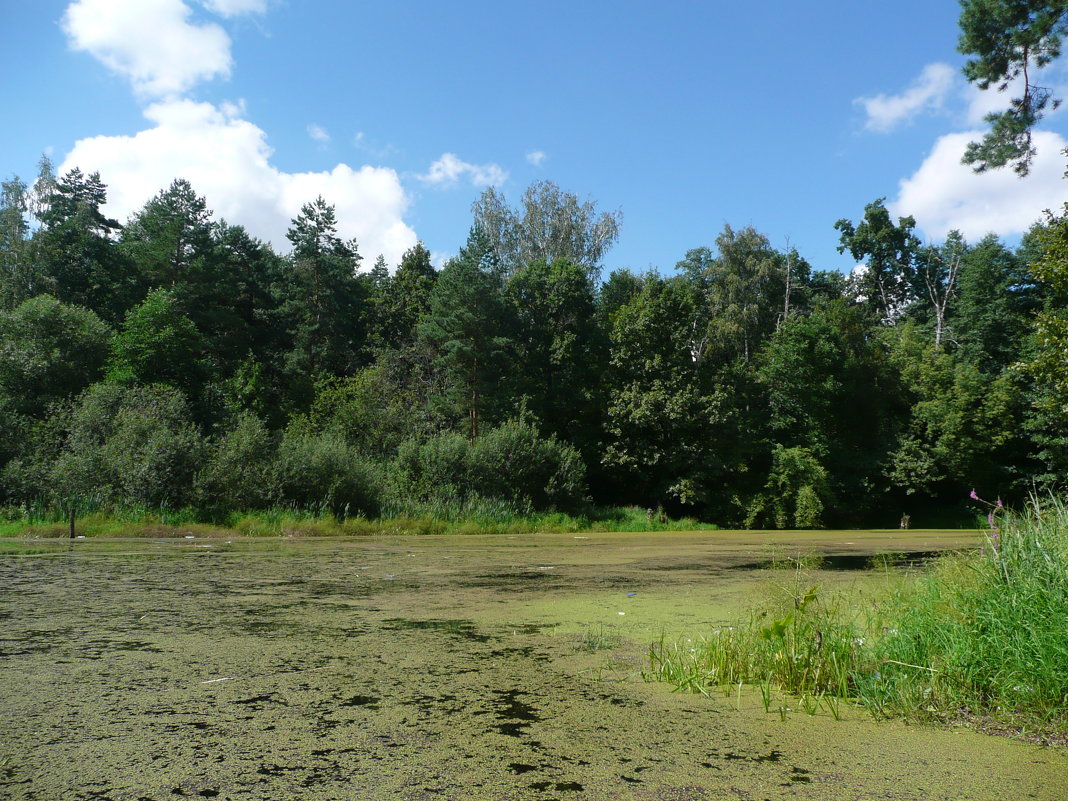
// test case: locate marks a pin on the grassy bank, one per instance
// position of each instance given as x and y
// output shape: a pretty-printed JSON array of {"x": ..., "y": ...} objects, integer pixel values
[
  {"x": 480, "y": 518},
  {"x": 980, "y": 637}
]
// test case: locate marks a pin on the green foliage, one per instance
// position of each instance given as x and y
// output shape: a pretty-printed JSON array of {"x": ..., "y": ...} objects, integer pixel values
[
  {"x": 830, "y": 390},
  {"x": 1010, "y": 38},
  {"x": 400, "y": 301},
  {"x": 549, "y": 225},
  {"x": 128, "y": 446},
  {"x": 888, "y": 252},
  {"x": 74, "y": 247},
  {"x": 795, "y": 494},
  {"x": 989, "y": 319},
  {"x": 961, "y": 425},
  {"x": 158, "y": 344},
  {"x": 367, "y": 409},
  {"x": 669, "y": 425},
  {"x": 169, "y": 238},
  {"x": 322, "y": 301},
  {"x": 562, "y": 352},
  {"x": 468, "y": 329},
  {"x": 510, "y": 463},
  {"x": 51, "y": 351},
  {"x": 237, "y": 468},
  {"x": 322, "y": 472}
]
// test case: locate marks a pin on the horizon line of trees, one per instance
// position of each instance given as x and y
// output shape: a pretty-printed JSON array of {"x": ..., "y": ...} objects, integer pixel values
[{"x": 176, "y": 361}]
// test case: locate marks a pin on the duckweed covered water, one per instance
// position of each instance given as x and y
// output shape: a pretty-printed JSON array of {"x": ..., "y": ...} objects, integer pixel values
[{"x": 432, "y": 668}]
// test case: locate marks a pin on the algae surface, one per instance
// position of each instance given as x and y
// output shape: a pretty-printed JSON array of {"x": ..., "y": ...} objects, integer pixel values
[{"x": 432, "y": 668}]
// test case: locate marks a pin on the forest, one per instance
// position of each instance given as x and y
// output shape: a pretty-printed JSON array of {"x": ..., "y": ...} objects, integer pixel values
[{"x": 176, "y": 362}]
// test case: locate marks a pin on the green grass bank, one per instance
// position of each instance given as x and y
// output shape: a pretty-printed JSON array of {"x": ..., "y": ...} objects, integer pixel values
[{"x": 977, "y": 638}]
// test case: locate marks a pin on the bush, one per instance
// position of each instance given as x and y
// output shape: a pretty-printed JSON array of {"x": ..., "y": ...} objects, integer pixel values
[
  {"x": 321, "y": 471},
  {"x": 237, "y": 472},
  {"x": 435, "y": 470},
  {"x": 129, "y": 446},
  {"x": 511, "y": 463},
  {"x": 51, "y": 352}
]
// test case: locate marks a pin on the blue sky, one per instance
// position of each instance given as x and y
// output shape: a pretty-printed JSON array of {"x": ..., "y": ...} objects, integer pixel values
[{"x": 684, "y": 115}]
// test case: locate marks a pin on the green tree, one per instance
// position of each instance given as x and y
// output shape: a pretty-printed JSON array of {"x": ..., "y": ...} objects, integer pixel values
[
  {"x": 322, "y": 300},
  {"x": 51, "y": 351},
  {"x": 739, "y": 294},
  {"x": 158, "y": 344},
  {"x": 549, "y": 225},
  {"x": 830, "y": 390},
  {"x": 20, "y": 278},
  {"x": 1048, "y": 365},
  {"x": 169, "y": 237},
  {"x": 671, "y": 423},
  {"x": 560, "y": 348},
  {"x": 1010, "y": 39},
  {"x": 75, "y": 247},
  {"x": 889, "y": 251},
  {"x": 963, "y": 428},
  {"x": 129, "y": 446},
  {"x": 469, "y": 330},
  {"x": 937, "y": 272},
  {"x": 405, "y": 298},
  {"x": 990, "y": 318}
]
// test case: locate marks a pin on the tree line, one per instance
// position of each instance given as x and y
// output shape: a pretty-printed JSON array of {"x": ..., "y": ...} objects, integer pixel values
[{"x": 176, "y": 361}]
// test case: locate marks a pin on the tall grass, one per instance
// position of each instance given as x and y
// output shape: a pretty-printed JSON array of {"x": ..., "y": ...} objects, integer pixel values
[
  {"x": 987, "y": 633},
  {"x": 802, "y": 643},
  {"x": 474, "y": 515},
  {"x": 981, "y": 636}
]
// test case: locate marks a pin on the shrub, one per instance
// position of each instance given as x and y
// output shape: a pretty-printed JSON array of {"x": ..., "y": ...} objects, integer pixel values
[
  {"x": 514, "y": 463},
  {"x": 237, "y": 471},
  {"x": 435, "y": 470},
  {"x": 321, "y": 471},
  {"x": 511, "y": 463},
  {"x": 128, "y": 446}
]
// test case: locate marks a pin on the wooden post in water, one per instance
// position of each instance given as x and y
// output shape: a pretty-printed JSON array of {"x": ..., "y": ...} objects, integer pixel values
[{"x": 72, "y": 522}]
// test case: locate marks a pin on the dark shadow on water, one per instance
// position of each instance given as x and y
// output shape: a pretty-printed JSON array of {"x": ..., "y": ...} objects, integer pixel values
[
  {"x": 456, "y": 628},
  {"x": 848, "y": 561}
]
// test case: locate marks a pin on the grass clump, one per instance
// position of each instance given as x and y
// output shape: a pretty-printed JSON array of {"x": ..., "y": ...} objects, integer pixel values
[
  {"x": 980, "y": 637},
  {"x": 804, "y": 643},
  {"x": 984, "y": 634}
]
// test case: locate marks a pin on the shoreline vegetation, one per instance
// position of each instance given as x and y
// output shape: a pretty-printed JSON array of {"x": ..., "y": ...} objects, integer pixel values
[
  {"x": 482, "y": 519},
  {"x": 976, "y": 640}
]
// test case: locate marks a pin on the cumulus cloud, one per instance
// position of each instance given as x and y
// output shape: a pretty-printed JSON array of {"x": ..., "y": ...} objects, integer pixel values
[
  {"x": 536, "y": 157},
  {"x": 152, "y": 43},
  {"x": 318, "y": 133},
  {"x": 944, "y": 194},
  {"x": 227, "y": 159},
  {"x": 448, "y": 169},
  {"x": 234, "y": 8},
  {"x": 927, "y": 92}
]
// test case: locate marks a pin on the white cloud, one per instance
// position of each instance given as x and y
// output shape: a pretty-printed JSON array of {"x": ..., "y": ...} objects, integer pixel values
[
  {"x": 227, "y": 159},
  {"x": 318, "y": 133},
  {"x": 536, "y": 157},
  {"x": 928, "y": 92},
  {"x": 234, "y": 8},
  {"x": 944, "y": 194},
  {"x": 150, "y": 42},
  {"x": 448, "y": 169}
]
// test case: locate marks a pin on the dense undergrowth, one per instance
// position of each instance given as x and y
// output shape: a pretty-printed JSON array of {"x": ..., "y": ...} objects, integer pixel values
[{"x": 979, "y": 637}]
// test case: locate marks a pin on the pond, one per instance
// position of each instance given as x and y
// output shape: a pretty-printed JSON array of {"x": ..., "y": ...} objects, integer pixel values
[{"x": 437, "y": 668}]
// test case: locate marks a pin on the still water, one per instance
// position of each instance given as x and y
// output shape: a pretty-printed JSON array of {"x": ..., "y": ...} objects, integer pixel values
[{"x": 439, "y": 668}]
